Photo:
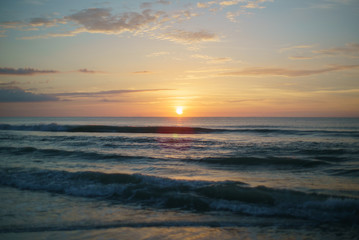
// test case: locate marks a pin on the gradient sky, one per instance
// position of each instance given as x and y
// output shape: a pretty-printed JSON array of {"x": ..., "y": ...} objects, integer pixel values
[{"x": 215, "y": 58}]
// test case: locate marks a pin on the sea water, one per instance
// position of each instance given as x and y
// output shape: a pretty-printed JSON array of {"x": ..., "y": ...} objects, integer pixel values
[{"x": 179, "y": 178}]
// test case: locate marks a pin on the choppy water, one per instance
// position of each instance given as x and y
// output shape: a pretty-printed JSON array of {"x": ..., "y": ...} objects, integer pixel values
[{"x": 176, "y": 178}]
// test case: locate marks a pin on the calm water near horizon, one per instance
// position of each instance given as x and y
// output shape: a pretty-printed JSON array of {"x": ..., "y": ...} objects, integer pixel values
[{"x": 179, "y": 178}]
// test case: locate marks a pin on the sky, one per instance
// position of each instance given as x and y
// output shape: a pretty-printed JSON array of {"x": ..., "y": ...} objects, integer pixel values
[{"x": 220, "y": 58}]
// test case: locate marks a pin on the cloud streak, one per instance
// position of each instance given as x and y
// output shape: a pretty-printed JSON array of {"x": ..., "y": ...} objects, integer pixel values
[
  {"x": 20, "y": 95},
  {"x": 32, "y": 71},
  {"x": 210, "y": 59},
  {"x": 24, "y": 71},
  {"x": 15, "y": 94},
  {"x": 189, "y": 37},
  {"x": 85, "y": 70},
  {"x": 350, "y": 50},
  {"x": 104, "y": 93},
  {"x": 143, "y": 72},
  {"x": 257, "y": 71}
]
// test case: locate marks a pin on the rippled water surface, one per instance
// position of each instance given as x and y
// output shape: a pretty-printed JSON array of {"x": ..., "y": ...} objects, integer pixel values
[{"x": 178, "y": 178}]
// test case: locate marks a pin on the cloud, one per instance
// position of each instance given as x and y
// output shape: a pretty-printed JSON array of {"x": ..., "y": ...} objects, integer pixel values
[
  {"x": 296, "y": 47},
  {"x": 24, "y": 71},
  {"x": 188, "y": 37},
  {"x": 150, "y": 4},
  {"x": 32, "y": 24},
  {"x": 105, "y": 93},
  {"x": 212, "y": 59},
  {"x": 301, "y": 57},
  {"x": 36, "y": 22},
  {"x": 20, "y": 95},
  {"x": 220, "y": 3},
  {"x": 256, "y": 71},
  {"x": 10, "y": 93},
  {"x": 11, "y": 24},
  {"x": 157, "y": 54},
  {"x": 350, "y": 49},
  {"x": 8, "y": 84},
  {"x": 100, "y": 20},
  {"x": 103, "y": 21},
  {"x": 205, "y": 5},
  {"x": 227, "y": 3},
  {"x": 53, "y": 35},
  {"x": 142, "y": 72},
  {"x": 85, "y": 70}
]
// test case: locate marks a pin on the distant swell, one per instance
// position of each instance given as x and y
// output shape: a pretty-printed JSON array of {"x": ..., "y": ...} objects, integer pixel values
[
  {"x": 164, "y": 193},
  {"x": 164, "y": 129},
  {"x": 64, "y": 153},
  {"x": 274, "y": 161},
  {"x": 110, "y": 129},
  {"x": 230, "y": 160}
]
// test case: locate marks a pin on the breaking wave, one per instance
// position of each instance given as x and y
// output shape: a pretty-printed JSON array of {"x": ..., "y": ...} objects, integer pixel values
[{"x": 202, "y": 196}]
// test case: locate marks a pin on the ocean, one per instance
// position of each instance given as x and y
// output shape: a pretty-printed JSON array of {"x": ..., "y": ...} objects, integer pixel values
[{"x": 179, "y": 178}]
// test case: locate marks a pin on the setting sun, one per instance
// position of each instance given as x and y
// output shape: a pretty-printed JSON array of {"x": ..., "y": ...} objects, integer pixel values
[{"x": 179, "y": 110}]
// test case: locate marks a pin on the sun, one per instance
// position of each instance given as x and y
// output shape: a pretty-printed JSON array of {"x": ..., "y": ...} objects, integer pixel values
[{"x": 179, "y": 110}]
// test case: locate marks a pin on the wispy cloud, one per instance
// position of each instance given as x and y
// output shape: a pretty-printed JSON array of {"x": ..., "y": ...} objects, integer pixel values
[
  {"x": 151, "y": 4},
  {"x": 54, "y": 35},
  {"x": 258, "y": 71},
  {"x": 8, "y": 84},
  {"x": 143, "y": 72},
  {"x": 157, "y": 54},
  {"x": 33, "y": 24},
  {"x": 210, "y": 59},
  {"x": 105, "y": 93},
  {"x": 296, "y": 47},
  {"x": 20, "y": 95},
  {"x": 11, "y": 24},
  {"x": 32, "y": 71},
  {"x": 227, "y": 3},
  {"x": 10, "y": 93},
  {"x": 349, "y": 50},
  {"x": 24, "y": 71},
  {"x": 189, "y": 37},
  {"x": 36, "y": 22},
  {"x": 85, "y": 70},
  {"x": 298, "y": 57}
]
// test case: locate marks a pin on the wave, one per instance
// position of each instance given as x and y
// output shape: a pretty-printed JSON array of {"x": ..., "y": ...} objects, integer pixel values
[
  {"x": 78, "y": 154},
  {"x": 268, "y": 161},
  {"x": 108, "y": 129},
  {"x": 223, "y": 161},
  {"x": 53, "y": 127},
  {"x": 199, "y": 196}
]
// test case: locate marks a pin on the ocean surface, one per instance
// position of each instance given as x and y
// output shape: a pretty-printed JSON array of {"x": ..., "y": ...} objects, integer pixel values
[{"x": 179, "y": 178}]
